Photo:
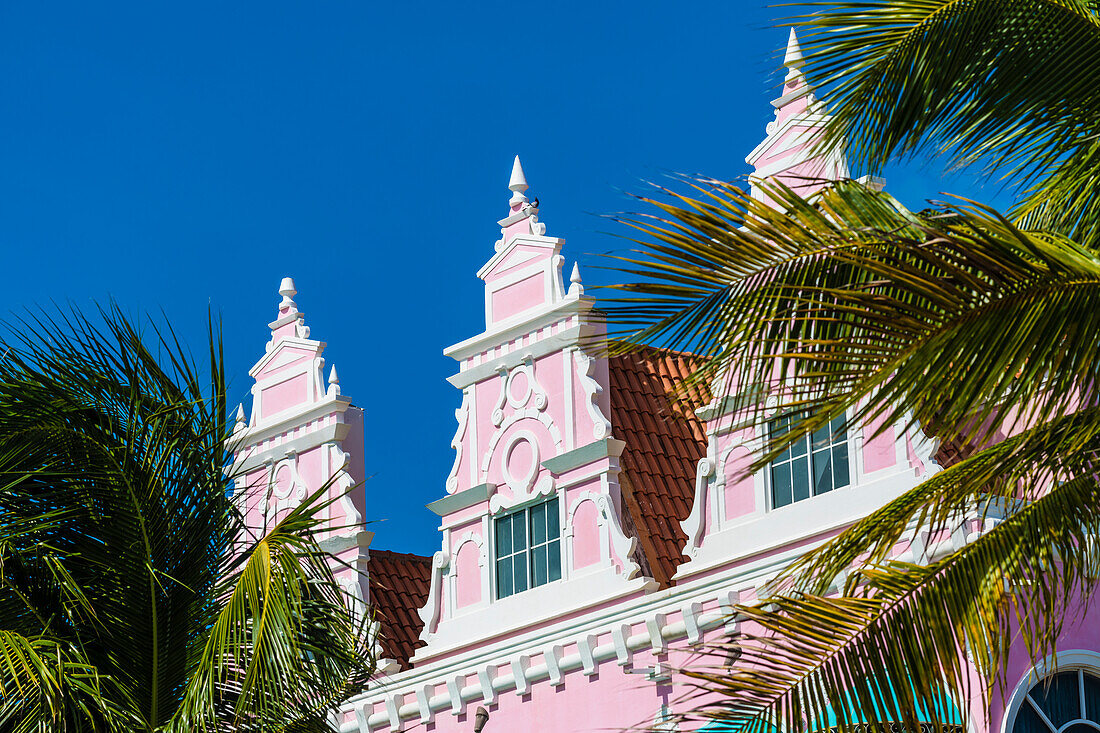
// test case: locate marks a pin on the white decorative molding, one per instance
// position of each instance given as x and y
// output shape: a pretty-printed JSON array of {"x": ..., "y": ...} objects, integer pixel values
[
  {"x": 545, "y": 419},
  {"x": 335, "y": 461},
  {"x": 619, "y": 636},
  {"x": 519, "y": 666},
  {"x": 586, "y": 647},
  {"x": 423, "y": 701},
  {"x": 601, "y": 426},
  {"x": 499, "y": 503},
  {"x": 454, "y": 691},
  {"x": 693, "y": 526},
  {"x": 521, "y": 484},
  {"x": 274, "y": 500},
  {"x": 485, "y": 677},
  {"x": 497, "y": 415},
  {"x": 552, "y": 656},
  {"x": 463, "y": 416},
  {"x": 654, "y": 626},
  {"x": 624, "y": 546},
  {"x": 691, "y": 613},
  {"x": 568, "y": 533},
  {"x": 430, "y": 613}
]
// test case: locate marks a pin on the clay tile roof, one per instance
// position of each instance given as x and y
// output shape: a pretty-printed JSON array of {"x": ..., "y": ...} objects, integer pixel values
[
  {"x": 664, "y": 441},
  {"x": 398, "y": 589}
]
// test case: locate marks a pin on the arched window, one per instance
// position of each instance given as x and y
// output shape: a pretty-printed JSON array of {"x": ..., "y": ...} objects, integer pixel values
[{"x": 1067, "y": 702}]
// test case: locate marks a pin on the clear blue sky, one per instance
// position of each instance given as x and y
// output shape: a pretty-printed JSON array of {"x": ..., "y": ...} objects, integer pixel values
[{"x": 175, "y": 157}]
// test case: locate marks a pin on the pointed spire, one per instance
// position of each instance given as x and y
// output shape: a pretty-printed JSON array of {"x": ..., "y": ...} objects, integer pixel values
[
  {"x": 517, "y": 184},
  {"x": 241, "y": 422},
  {"x": 333, "y": 383},
  {"x": 575, "y": 286},
  {"x": 793, "y": 58}
]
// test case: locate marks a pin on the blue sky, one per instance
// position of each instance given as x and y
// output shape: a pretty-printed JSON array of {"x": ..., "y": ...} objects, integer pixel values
[{"x": 176, "y": 158}]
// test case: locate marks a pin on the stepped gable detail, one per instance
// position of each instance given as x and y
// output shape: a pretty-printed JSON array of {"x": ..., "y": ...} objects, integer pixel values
[
  {"x": 664, "y": 440},
  {"x": 533, "y": 430},
  {"x": 791, "y": 152},
  {"x": 399, "y": 585},
  {"x": 302, "y": 433}
]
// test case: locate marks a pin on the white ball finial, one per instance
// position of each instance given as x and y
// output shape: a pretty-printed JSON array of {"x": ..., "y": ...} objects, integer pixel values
[
  {"x": 517, "y": 184},
  {"x": 575, "y": 286}
]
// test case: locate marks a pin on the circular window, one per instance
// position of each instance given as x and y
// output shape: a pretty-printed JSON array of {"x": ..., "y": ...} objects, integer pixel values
[{"x": 1067, "y": 702}]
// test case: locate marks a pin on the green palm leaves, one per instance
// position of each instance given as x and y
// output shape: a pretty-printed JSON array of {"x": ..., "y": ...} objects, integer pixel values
[
  {"x": 132, "y": 597},
  {"x": 1009, "y": 84},
  {"x": 973, "y": 325}
]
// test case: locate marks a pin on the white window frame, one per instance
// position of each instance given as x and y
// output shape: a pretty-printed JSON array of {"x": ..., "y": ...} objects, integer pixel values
[
  {"x": 525, "y": 509},
  {"x": 853, "y": 462}
]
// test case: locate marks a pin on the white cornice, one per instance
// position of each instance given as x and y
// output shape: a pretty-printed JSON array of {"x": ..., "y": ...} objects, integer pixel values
[
  {"x": 513, "y": 328},
  {"x": 294, "y": 417},
  {"x": 249, "y": 458},
  {"x": 549, "y": 345}
]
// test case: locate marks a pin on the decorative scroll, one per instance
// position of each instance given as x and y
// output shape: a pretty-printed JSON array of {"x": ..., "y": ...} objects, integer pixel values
[{"x": 601, "y": 426}]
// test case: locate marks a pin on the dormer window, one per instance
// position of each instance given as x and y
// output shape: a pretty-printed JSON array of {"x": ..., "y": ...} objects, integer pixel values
[
  {"x": 814, "y": 465},
  {"x": 528, "y": 548}
]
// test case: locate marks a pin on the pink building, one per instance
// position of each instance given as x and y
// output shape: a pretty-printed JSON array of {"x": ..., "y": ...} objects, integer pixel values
[{"x": 592, "y": 532}]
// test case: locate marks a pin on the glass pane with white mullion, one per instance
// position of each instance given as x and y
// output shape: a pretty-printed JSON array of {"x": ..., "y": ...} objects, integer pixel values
[
  {"x": 1091, "y": 696},
  {"x": 1032, "y": 708},
  {"x": 1059, "y": 698}
]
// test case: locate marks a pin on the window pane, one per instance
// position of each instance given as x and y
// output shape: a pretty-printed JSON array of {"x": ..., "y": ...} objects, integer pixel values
[
  {"x": 1059, "y": 697},
  {"x": 538, "y": 525},
  {"x": 504, "y": 536},
  {"x": 1028, "y": 721},
  {"x": 519, "y": 533},
  {"x": 800, "y": 478},
  {"x": 840, "y": 465},
  {"x": 1092, "y": 698},
  {"x": 839, "y": 432},
  {"x": 799, "y": 448},
  {"x": 823, "y": 436},
  {"x": 538, "y": 566},
  {"x": 553, "y": 550},
  {"x": 552, "y": 525},
  {"x": 823, "y": 472},
  {"x": 519, "y": 571},
  {"x": 781, "y": 485},
  {"x": 504, "y": 578},
  {"x": 778, "y": 429}
]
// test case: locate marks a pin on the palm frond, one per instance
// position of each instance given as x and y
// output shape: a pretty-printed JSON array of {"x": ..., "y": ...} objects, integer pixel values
[
  {"x": 852, "y": 300},
  {"x": 287, "y": 644},
  {"x": 1009, "y": 84},
  {"x": 908, "y": 637}
]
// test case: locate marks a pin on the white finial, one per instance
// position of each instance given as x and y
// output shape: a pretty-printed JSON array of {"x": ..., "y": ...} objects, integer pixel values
[
  {"x": 575, "y": 287},
  {"x": 517, "y": 184},
  {"x": 793, "y": 58},
  {"x": 286, "y": 289},
  {"x": 333, "y": 383},
  {"x": 241, "y": 422}
]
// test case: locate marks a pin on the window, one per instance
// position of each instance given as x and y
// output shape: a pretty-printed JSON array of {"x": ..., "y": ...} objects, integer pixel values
[
  {"x": 1068, "y": 702},
  {"x": 814, "y": 465},
  {"x": 528, "y": 548}
]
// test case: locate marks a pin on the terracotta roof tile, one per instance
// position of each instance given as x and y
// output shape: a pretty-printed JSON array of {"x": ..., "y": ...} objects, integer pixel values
[
  {"x": 399, "y": 586},
  {"x": 664, "y": 440}
]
